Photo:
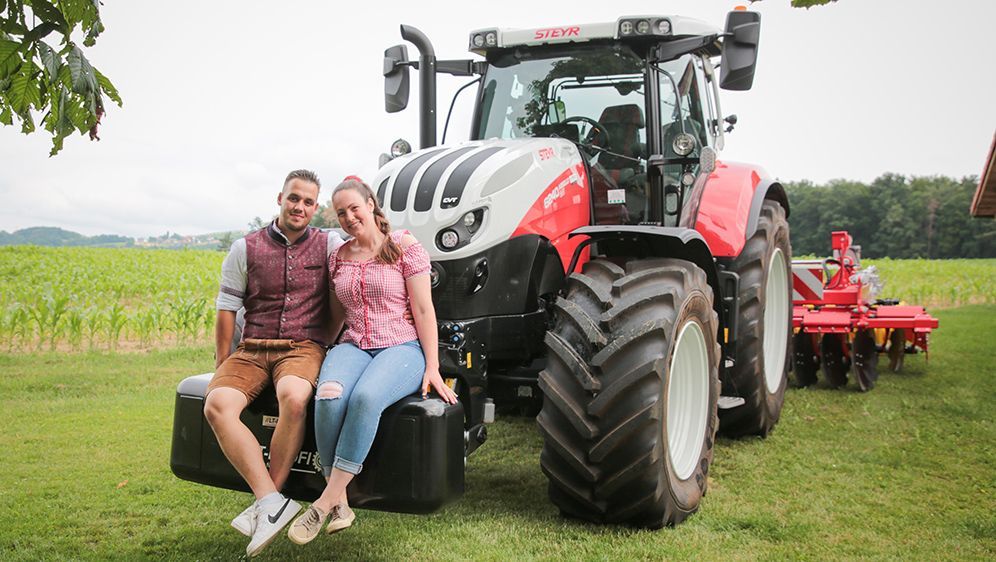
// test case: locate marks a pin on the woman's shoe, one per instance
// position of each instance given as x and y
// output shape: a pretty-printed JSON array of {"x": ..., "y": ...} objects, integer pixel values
[
  {"x": 306, "y": 527},
  {"x": 341, "y": 518}
]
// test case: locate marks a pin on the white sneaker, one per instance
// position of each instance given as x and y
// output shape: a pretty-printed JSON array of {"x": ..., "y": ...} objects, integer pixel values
[
  {"x": 268, "y": 524},
  {"x": 243, "y": 522}
]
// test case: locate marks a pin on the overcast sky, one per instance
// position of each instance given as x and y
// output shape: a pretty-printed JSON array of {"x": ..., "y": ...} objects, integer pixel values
[{"x": 223, "y": 98}]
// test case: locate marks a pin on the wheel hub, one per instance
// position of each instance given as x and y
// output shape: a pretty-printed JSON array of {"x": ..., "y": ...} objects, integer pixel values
[
  {"x": 687, "y": 399},
  {"x": 776, "y": 303}
]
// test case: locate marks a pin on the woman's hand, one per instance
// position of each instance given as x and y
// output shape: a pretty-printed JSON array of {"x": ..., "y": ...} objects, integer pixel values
[{"x": 433, "y": 379}]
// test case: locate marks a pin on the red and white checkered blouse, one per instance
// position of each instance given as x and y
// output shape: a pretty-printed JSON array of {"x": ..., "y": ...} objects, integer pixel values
[{"x": 375, "y": 296}]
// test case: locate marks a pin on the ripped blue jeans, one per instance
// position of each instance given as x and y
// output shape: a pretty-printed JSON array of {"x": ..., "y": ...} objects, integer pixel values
[{"x": 354, "y": 387}]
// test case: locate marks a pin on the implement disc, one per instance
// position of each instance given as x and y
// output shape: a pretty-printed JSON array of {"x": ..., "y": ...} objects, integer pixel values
[
  {"x": 835, "y": 359},
  {"x": 807, "y": 361},
  {"x": 865, "y": 359},
  {"x": 897, "y": 349}
]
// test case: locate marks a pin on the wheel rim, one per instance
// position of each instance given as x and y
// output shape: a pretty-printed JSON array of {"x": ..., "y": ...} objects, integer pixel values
[
  {"x": 775, "y": 321},
  {"x": 687, "y": 400}
]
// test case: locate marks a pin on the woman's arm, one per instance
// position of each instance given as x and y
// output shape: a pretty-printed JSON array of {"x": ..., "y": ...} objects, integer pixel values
[{"x": 420, "y": 295}]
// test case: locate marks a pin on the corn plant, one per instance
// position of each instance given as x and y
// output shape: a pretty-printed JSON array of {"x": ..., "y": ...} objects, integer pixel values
[
  {"x": 116, "y": 320},
  {"x": 74, "y": 327}
]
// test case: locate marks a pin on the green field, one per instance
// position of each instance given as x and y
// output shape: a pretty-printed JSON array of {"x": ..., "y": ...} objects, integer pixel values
[
  {"x": 77, "y": 299},
  {"x": 907, "y": 471}
]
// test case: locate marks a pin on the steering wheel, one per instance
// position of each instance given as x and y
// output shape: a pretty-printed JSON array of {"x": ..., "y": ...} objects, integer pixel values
[{"x": 597, "y": 135}]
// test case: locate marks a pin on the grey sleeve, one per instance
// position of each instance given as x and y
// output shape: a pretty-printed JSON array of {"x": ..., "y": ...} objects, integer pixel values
[{"x": 234, "y": 278}]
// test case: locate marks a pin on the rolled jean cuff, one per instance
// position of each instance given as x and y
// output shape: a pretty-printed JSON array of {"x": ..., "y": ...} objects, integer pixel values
[{"x": 351, "y": 467}]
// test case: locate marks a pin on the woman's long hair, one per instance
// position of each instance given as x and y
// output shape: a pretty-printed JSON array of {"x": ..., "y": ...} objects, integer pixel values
[{"x": 389, "y": 250}]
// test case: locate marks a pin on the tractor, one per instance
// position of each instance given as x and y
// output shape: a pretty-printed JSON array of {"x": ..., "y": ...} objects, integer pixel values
[{"x": 589, "y": 247}]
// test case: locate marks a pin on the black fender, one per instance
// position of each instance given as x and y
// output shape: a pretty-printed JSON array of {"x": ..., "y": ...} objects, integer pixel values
[{"x": 653, "y": 241}]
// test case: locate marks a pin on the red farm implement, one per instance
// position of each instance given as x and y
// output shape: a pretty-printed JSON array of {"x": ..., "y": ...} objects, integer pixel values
[{"x": 840, "y": 325}]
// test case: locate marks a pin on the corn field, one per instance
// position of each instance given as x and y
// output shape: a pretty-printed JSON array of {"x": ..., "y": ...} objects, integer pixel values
[
  {"x": 97, "y": 298},
  {"x": 75, "y": 299},
  {"x": 937, "y": 283}
]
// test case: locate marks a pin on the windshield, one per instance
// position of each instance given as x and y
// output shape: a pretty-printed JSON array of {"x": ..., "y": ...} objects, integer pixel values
[{"x": 562, "y": 94}]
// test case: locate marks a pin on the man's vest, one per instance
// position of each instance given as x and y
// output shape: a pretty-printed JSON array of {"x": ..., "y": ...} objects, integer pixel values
[{"x": 287, "y": 294}]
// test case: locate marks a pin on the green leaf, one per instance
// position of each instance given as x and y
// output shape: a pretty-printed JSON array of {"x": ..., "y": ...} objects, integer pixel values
[
  {"x": 80, "y": 71},
  {"x": 10, "y": 58},
  {"x": 6, "y": 117},
  {"x": 56, "y": 144},
  {"x": 107, "y": 87},
  {"x": 76, "y": 113},
  {"x": 65, "y": 77},
  {"x": 50, "y": 60},
  {"x": 27, "y": 123},
  {"x": 95, "y": 31},
  {"x": 48, "y": 12},
  {"x": 13, "y": 26},
  {"x": 39, "y": 31},
  {"x": 75, "y": 10},
  {"x": 24, "y": 90}
]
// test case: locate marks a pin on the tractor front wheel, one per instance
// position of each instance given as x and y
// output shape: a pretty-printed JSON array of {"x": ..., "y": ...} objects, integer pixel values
[
  {"x": 630, "y": 393},
  {"x": 764, "y": 327}
]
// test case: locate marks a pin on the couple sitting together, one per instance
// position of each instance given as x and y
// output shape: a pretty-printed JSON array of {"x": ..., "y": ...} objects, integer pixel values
[{"x": 299, "y": 286}]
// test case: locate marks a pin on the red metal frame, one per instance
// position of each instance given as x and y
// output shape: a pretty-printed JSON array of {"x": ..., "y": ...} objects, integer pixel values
[{"x": 843, "y": 310}]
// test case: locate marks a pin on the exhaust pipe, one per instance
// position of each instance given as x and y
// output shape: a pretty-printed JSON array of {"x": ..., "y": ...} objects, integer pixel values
[{"x": 426, "y": 84}]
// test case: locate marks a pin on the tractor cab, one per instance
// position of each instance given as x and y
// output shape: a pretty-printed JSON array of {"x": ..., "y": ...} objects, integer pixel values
[{"x": 638, "y": 96}]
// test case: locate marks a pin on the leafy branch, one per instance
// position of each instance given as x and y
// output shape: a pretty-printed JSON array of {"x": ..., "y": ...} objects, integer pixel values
[{"x": 51, "y": 80}]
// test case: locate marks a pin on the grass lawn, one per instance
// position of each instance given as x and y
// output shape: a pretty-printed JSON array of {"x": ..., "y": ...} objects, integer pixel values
[{"x": 907, "y": 471}]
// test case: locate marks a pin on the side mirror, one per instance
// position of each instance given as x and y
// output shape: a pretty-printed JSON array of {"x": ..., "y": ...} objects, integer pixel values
[
  {"x": 739, "y": 56},
  {"x": 396, "y": 79}
]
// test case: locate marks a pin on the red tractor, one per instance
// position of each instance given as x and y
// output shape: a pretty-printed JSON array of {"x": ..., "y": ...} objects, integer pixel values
[{"x": 588, "y": 245}]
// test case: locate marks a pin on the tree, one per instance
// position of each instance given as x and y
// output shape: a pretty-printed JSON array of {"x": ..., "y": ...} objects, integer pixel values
[
  {"x": 225, "y": 241},
  {"x": 809, "y": 3},
  {"x": 56, "y": 83},
  {"x": 257, "y": 223}
]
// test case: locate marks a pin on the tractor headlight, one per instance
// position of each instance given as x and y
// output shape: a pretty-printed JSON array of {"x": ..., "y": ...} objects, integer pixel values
[
  {"x": 449, "y": 239},
  {"x": 462, "y": 232},
  {"x": 478, "y": 40},
  {"x": 626, "y": 28},
  {"x": 683, "y": 144},
  {"x": 491, "y": 39},
  {"x": 642, "y": 27},
  {"x": 663, "y": 27}
]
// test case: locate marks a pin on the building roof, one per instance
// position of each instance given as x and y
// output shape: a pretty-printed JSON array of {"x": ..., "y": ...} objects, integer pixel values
[{"x": 984, "y": 201}]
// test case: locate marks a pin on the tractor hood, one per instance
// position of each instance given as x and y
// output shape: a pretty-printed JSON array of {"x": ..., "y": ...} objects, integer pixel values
[{"x": 463, "y": 199}]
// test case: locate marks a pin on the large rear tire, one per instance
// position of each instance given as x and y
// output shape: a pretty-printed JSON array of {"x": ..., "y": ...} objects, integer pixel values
[
  {"x": 764, "y": 328},
  {"x": 630, "y": 393}
]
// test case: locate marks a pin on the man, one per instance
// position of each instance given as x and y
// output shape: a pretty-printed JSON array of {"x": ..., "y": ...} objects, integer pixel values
[{"x": 280, "y": 275}]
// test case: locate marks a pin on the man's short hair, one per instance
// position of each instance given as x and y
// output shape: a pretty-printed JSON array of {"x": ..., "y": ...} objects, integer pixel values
[{"x": 306, "y": 175}]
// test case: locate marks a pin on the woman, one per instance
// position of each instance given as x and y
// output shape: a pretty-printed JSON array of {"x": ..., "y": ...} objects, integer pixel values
[{"x": 381, "y": 357}]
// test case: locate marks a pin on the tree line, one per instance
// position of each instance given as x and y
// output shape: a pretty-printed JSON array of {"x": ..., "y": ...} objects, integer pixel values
[{"x": 894, "y": 216}]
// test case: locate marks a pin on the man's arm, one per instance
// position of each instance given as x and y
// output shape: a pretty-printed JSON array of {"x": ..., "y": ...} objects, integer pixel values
[
  {"x": 234, "y": 278},
  {"x": 224, "y": 328}
]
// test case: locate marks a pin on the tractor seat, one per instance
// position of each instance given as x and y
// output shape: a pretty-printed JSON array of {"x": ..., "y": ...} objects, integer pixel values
[{"x": 622, "y": 124}]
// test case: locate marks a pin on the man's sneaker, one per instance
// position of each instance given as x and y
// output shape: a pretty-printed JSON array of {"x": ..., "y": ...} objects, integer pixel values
[
  {"x": 305, "y": 528},
  {"x": 341, "y": 518},
  {"x": 268, "y": 524},
  {"x": 243, "y": 521}
]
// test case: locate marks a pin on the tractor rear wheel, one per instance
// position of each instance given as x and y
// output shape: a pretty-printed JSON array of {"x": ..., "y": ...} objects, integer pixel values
[
  {"x": 630, "y": 393},
  {"x": 764, "y": 327}
]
